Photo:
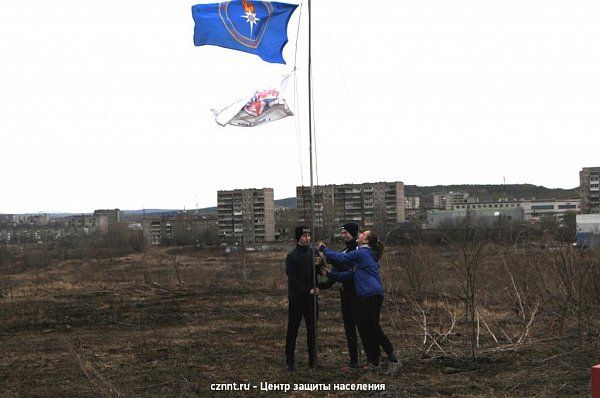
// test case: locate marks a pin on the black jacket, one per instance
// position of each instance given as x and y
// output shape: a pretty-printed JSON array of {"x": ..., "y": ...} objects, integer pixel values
[
  {"x": 348, "y": 289},
  {"x": 300, "y": 270}
]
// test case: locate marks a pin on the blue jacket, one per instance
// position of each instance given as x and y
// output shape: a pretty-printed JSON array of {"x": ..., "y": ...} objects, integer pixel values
[
  {"x": 347, "y": 290},
  {"x": 365, "y": 270}
]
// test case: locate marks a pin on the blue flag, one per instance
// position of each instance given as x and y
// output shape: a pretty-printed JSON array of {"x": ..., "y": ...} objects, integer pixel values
[{"x": 256, "y": 27}]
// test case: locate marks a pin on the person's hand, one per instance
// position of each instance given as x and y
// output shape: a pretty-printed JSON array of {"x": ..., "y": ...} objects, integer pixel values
[
  {"x": 314, "y": 291},
  {"x": 319, "y": 261},
  {"x": 321, "y": 246}
]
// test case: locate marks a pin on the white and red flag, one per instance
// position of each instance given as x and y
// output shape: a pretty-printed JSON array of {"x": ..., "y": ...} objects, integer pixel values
[{"x": 263, "y": 107}]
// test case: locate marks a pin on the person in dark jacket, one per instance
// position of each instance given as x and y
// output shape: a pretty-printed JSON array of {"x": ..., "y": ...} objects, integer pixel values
[
  {"x": 364, "y": 269},
  {"x": 301, "y": 272},
  {"x": 348, "y": 298}
]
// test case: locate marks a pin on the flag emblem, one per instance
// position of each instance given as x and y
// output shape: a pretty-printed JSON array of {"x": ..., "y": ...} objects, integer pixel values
[
  {"x": 236, "y": 17},
  {"x": 250, "y": 15},
  {"x": 261, "y": 102}
]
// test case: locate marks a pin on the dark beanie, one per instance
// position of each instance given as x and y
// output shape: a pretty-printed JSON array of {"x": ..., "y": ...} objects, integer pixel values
[
  {"x": 352, "y": 229},
  {"x": 301, "y": 230}
]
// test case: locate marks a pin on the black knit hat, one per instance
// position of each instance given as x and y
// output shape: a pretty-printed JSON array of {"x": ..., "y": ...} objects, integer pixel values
[
  {"x": 351, "y": 228},
  {"x": 300, "y": 230}
]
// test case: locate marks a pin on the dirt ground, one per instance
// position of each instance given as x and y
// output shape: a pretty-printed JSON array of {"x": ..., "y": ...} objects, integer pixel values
[{"x": 172, "y": 324}]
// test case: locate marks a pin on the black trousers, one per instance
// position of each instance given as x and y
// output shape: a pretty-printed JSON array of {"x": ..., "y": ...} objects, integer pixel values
[
  {"x": 300, "y": 308},
  {"x": 369, "y": 312},
  {"x": 350, "y": 317}
]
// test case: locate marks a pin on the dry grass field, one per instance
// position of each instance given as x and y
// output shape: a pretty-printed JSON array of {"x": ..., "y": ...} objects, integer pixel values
[{"x": 467, "y": 321}]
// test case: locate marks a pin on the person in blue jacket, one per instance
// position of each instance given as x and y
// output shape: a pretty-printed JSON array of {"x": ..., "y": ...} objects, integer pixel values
[{"x": 364, "y": 269}]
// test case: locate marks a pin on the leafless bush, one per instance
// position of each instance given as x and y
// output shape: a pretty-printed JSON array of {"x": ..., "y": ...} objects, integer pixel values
[
  {"x": 494, "y": 295},
  {"x": 467, "y": 265}
]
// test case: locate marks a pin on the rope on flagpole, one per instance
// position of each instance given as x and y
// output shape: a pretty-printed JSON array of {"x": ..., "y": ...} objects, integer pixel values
[
  {"x": 296, "y": 101},
  {"x": 297, "y": 112},
  {"x": 315, "y": 140}
]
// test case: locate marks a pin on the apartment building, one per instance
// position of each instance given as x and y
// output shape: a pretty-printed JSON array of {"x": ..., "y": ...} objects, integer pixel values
[
  {"x": 412, "y": 207},
  {"x": 456, "y": 198},
  {"x": 589, "y": 185},
  {"x": 325, "y": 221},
  {"x": 106, "y": 218},
  {"x": 246, "y": 215},
  {"x": 379, "y": 205},
  {"x": 180, "y": 230},
  {"x": 439, "y": 201},
  {"x": 80, "y": 224},
  {"x": 7, "y": 218},
  {"x": 412, "y": 203}
]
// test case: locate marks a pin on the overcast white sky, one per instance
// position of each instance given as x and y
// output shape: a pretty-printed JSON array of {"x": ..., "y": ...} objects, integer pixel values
[{"x": 107, "y": 104}]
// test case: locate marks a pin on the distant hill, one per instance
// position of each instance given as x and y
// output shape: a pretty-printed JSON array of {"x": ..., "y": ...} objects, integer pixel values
[
  {"x": 287, "y": 202},
  {"x": 510, "y": 191},
  {"x": 148, "y": 211},
  {"x": 60, "y": 215}
]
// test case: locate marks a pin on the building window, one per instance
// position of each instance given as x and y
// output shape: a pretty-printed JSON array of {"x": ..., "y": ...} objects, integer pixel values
[{"x": 568, "y": 206}]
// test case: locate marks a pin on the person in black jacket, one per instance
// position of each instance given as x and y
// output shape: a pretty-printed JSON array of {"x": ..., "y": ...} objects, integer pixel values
[
  {"x": 301, "y": 274},
  {"x": 348, "y": 299}
]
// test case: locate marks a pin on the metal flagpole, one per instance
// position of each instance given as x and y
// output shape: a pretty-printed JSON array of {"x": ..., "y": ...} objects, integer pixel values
[{"x": 312, "y": 188}]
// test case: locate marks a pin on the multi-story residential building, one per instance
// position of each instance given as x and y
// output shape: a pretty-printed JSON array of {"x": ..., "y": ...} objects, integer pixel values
[
  {"x": 372, "y": 205},
  {"x": 589, "y": 185},
  {"x": 31, "y": 234},
  {"x": 447, "y": 200},
  {"x": 246, "y": 215},
  {"x": 180, "y": 230},
  {"x": 7, "y": 218},
  {"x": 112, "y": 215},
  {"x": 455, "y": 198},
  {"x": 80, "y": 224},
  {"x": 106, "y": 218},
  {"x": 6, "y": 235},
  {"x": 26, "y": 219},
  {"x": 153, "y": 232},
  {"x": 439, "y": 201},
  {"x": 412, "y": 202},
  {"x": 324, "y": 209},
  {"x": 412, "y": 207}
]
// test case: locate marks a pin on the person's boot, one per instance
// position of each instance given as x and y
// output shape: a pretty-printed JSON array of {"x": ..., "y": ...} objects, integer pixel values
[
  {"x": 311, "y": 360},
  {"x": 352, "y": 365},
  {"x": 372, "y": 368},
  {"x": 393, "y": 367}
]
